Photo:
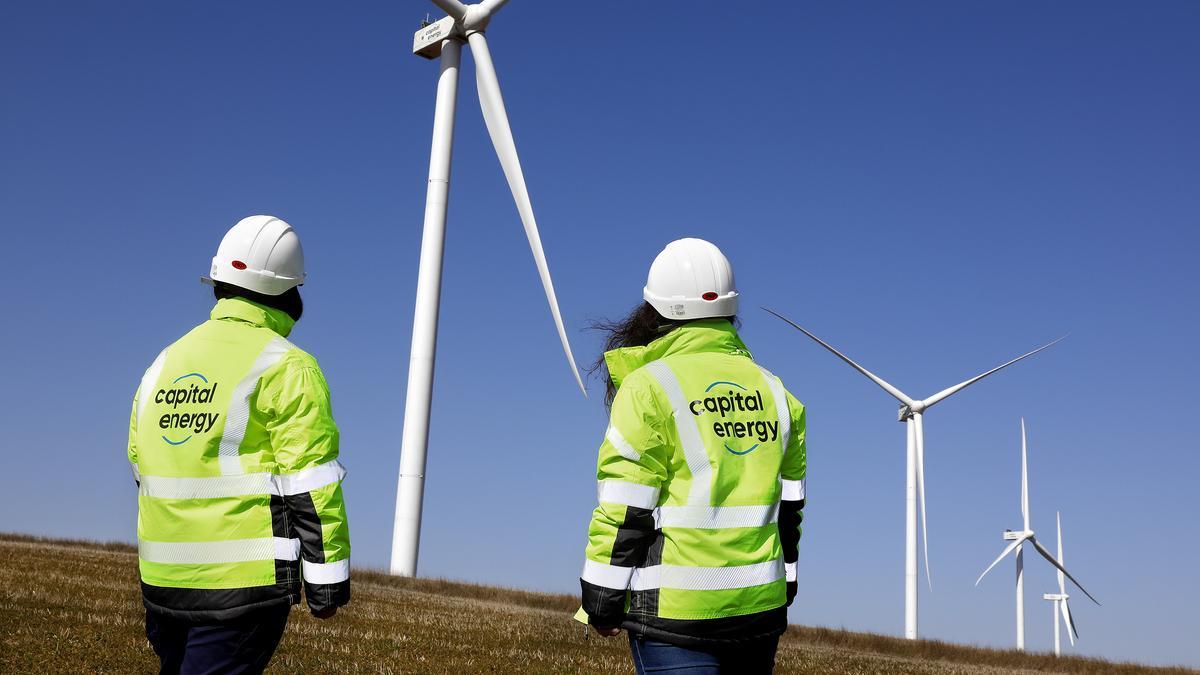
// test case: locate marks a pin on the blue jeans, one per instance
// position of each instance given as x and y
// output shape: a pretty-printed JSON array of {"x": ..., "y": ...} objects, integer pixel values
[
  {"x": 662, "y": 658},
  {"x": 243, "y": 645}
]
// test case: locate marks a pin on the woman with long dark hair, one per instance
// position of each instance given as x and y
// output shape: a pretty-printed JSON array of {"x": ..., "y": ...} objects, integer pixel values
[{"x": 693, "y": 547}]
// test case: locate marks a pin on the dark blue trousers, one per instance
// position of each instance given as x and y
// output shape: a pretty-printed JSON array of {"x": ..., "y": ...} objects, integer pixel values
[
  {"x": 660, "y": 658},
  {"x": 242, "y": 645}
]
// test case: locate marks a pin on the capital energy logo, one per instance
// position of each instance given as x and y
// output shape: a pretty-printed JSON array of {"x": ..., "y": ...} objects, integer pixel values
[
  {"x": 735, "y": 399},
  {"x": 186, "y": 390}
]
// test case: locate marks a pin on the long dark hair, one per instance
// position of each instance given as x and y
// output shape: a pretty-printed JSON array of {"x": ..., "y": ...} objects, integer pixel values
[{"x": 639, "y": 328}]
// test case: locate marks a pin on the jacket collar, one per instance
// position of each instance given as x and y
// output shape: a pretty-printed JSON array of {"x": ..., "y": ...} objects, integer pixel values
[
  {"x": 705, "y": 335},
  {"x": 241, "y": 309}
]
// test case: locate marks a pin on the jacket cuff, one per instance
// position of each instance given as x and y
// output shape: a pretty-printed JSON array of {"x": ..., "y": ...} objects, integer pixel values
[
  {"x": 322, "y": 597},
  {"x": 605, "y": 607}
]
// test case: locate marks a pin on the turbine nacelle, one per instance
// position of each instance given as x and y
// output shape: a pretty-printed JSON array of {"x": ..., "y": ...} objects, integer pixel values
[
  {"x": 1011, "y": 535},
  {"x": 462, "y": 20},
  {"x": 427, "y": 42}
]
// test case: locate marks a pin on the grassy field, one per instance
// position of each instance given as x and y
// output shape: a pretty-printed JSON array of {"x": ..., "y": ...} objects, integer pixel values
[{"x": 74, "y": 607}]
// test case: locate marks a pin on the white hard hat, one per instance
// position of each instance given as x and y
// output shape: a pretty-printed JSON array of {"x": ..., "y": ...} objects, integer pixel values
[
  {"x": 261, "y": 254},
  {"x": 691, "y": 279}
]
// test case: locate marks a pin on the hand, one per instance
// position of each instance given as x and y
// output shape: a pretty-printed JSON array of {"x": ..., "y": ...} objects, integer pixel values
[
  {"x": 325, "y": 613},
  {"x": 607, "y": 632}
]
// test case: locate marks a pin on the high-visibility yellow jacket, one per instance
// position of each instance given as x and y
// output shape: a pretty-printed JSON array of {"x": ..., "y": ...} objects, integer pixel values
[
  {"x": 235, "y": 451},
  {"x": 701, "y": 485}
]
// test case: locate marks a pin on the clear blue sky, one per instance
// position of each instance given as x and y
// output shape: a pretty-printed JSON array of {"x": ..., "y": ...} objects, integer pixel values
[{"x": 933, "y": 187}]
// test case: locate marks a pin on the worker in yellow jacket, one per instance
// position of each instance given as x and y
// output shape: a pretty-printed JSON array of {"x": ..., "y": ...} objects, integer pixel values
[
  {"x": 234, "y": 448},
  {"x": 693, "y": 546}
]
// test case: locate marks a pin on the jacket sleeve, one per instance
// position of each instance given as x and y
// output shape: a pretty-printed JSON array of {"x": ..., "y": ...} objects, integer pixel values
[
  {"x": 147, "y": 383},
  {"x": 304, "y": 438},
  {"x": 131, "y": 448},
  {"x": 791, "y": 505},
  {"x": 631, "y": 470}
]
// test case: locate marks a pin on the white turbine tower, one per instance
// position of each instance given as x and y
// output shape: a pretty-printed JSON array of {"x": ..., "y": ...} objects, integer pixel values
[
  {"x": 1020, "y": 537},
  {"x": 1059, "y": 600},
  {"x": 911, "y": 412},
  {"x": 444, "y": 39}
]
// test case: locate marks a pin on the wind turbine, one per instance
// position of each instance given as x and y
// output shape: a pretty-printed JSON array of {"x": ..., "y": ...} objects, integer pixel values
[
  {"x": 911, "y": 413},
  {"x": 443, "y": 40},
  {"x": 1020, "y": 537},
  {"x": 1060, "y": 600}
]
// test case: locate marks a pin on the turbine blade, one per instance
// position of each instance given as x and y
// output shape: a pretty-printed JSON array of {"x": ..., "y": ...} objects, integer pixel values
[
  {"x": 1066, "y": 613},
  {"x": 920, "y": 429},
  {"x": 1024, "y": 478},
  {"x": 496, "y": 119},
  {"x": 1062, "y": 588},
  {"x": 1008, "y": 549},
  {"x": 899, "y": 395},
  {"x": 1046, "y": 554},
  {"x": 946, "y": 392},
  {"x": 493, "y": 6},
  {"x": 452, "y": 7}
]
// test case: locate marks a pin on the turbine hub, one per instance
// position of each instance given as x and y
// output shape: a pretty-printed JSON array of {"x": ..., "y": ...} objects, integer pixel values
[
  {"x": 427, "y": 42},
  {"x": 477, "y": 18}
]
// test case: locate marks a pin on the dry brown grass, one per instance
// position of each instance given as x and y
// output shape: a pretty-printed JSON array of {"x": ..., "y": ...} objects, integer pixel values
[{"x": 72, "y": 606}]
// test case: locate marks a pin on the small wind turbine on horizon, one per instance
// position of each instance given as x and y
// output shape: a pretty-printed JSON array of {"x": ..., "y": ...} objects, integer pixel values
[
  {"x": 1026, "y": 535},
  {"x": 443, "y": 40},
  {"x": 911, "y": 413},
  {"x": 1060, "y": 598}
]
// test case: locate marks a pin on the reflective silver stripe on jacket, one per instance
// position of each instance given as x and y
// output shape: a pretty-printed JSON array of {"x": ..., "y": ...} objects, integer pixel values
[
  {"x": 608, "y": 576},
  {"x": 781, "y": 408},
  {"x": 216, "y": 552},
  {"x": 623, "y": 447},
  {"x": 149, "y": 379},
  {"x": 686, "y": 427},
  {"x": 214, "y": 487},
  {"x": 706, "y": 578},
  {"x": 716, "y": 517},
  {"x": 309, "y": 479},
  {"x": 238, "y": 415},
  {"x": 793, "y": 490},
  {"x": 326, "y": 573},
  {"x": 630, "y": 494}
]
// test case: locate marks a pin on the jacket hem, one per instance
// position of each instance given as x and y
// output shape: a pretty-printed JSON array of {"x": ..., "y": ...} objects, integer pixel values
[
  {"x": 214, "y": 605},
  {"x": 729, "y": 631}
]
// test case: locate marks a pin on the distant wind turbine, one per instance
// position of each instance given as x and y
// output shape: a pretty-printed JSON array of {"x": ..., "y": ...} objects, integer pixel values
[
  {"x": 1060, "y": 600},
  {"x": 911, "y": 412},
  {"x": 1020, "y": 537}
]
